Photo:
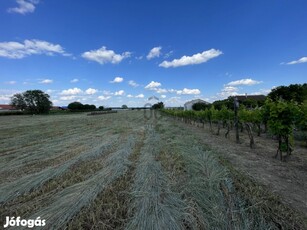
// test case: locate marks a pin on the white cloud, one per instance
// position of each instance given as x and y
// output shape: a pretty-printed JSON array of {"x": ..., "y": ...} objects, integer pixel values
[
  {"x": 301, "y": 60},
  {"x": 106, "y": 92},
  {"x": 154, "y": 52},
  {"x": 46, "y": 81},
  {"x": 133, "y": 83},
  {"x": 50, "y": 90},
  {"x": 246, "y": 81},
  {"x": 103, "y": 56},
  {"x": 67, "y": 98},
  {"x": 10, "y": 82},
  {"x": 119, "y": 93},
  {"x": 228, "y": 91},
  {"x": 174, "y": 101},
  {"x": 117, "y": 80},
  {"x": 160, "y": 90},
  {"x": 188, "y": 91},
  {"x": 25, "y": 6},
  {"x": 74, "y": 80},
  {"x": 153, "y": 85},
  {"x": 73, "y": 91},
  {"x": 91, "y": 91},
  {"x": 129, "y": 95},
  {"x": 192, "y": 60},
  {"x": 17, "y": 50},
  {"x": 103, "y": 98},
  {"x": 163, "y": 96},
  {"x": 140, "y": 96}
]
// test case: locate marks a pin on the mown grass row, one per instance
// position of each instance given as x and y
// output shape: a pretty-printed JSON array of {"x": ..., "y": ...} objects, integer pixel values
[
  {"x": 205, "y": 184},
  {"x": 27, "y": 183},
  {"x": 110, "y": 209},
  {"x": 249, "y": 205},
  {"x": 64, "y": 205},
  {"x": 154, "y": 205}
]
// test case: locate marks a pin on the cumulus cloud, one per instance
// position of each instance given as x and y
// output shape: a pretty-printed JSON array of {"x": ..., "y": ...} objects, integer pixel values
[
  {"x": 17, "y": 50},
  {"x": 103, "y": 56},
  {"x": 192, "y": 60},
  {"x": 129, "y": 96},
  {"x": 228, "y": 91},
  {"x": 46, "y": 81},
  {"x": 74, "y": 80},
  {"x": 6, "y": 94},
  {"x": 301, "y": 60},
  {"x": 154, "y": 52},
  {"x": 140, "y": 96},
  {"x": 119, "y": 93},
  {"x": 68, "y": 98},
  {"x": 73, "y": 91},
  {"x": 133, "y": 83},
  {"x": 160, "y": 90},
  {"x": 103, "y": 98},
  {"x": 153, "y": 85},
  {"x": 246, "y": 81},
  {"x": 163, "y": 96},
  {"x": 117, "y": 80},
  {"x": 186, "y": 91},
  {"x": 24, "y": 6},
  {"x": 91, "y": 91}
]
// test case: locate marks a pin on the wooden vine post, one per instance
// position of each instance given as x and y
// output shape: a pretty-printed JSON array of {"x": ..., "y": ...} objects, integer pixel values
[{"x": 236, "y": 107}]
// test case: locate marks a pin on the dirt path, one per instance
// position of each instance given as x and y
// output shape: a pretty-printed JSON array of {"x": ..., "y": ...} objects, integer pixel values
[{"x": 287, "y": 179}]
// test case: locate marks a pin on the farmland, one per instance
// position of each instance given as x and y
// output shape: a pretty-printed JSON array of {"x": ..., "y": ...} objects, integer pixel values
[{"x": 123, "y": 171}]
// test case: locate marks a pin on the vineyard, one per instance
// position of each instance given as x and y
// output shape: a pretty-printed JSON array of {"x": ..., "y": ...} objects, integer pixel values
[
  {"x": 126, "y": 171},
  {"x": 279, "y": 119}
]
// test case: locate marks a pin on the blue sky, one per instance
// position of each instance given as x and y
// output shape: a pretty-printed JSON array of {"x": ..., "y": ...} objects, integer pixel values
[{"x": 122, "y": 52}]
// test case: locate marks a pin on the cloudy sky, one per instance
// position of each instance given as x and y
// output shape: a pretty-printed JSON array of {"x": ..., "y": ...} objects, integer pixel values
[{"x": 123, "y": 52}]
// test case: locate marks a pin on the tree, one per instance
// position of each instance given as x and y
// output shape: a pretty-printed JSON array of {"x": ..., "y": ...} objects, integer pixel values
[
  {"x": 78, "y": 106},
  {"x": 101, "y": 107},
  {"x": 295, "y": 92},
  {"x": 200, "y": 106},
  {"x": 75, "y": 106},
  {"x": 33, "y": 101},
  {"x": 158, "y": 105},
  {"x": 124, "y": 107}
]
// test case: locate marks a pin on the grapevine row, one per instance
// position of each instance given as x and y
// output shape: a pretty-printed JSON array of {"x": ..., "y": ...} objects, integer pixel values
[{"x": 279, "y": 118}]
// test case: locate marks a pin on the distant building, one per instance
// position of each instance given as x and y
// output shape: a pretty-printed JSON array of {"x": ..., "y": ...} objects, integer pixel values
[
  {"x": 58, "y": 108},
  {"x": 245, "y": 97},
  {"x": 188, "y": 105},
  {"x": 5, "y": 108}
]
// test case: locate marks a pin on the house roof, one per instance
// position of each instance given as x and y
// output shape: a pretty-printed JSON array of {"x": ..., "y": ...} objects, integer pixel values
[
  {"x": 253, "y": 97},
  {"x": 6, "y": 107}
]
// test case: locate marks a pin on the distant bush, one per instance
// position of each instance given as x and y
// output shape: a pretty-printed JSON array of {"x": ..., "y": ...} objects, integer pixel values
[{"x": 79, "y": 107}]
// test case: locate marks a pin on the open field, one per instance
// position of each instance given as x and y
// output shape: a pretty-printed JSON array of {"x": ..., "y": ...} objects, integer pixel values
[{"x": 122, "y": 171}]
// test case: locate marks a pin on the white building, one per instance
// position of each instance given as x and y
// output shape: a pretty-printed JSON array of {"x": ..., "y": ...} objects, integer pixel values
[{"x": 188, "y": 105}]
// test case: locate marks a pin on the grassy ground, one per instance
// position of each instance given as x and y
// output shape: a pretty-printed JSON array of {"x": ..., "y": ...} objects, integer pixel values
[{"x": 122, "y": 171}]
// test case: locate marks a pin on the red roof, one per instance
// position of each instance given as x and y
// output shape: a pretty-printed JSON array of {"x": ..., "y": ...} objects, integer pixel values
[{"x": 7, "y": 107}]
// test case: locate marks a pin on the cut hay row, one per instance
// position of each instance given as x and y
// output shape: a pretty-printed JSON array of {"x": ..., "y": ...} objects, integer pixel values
[
  {"x": 110, "y": 208},
  {"x": 23, "y": 147},
  {"x": 68, "y": 202},
  {"x": 101, "y": 112},
  {"x": 11, "y": 190},
  {"x": 154, "y": 205},
  {"x": 208, "y": 187}
]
